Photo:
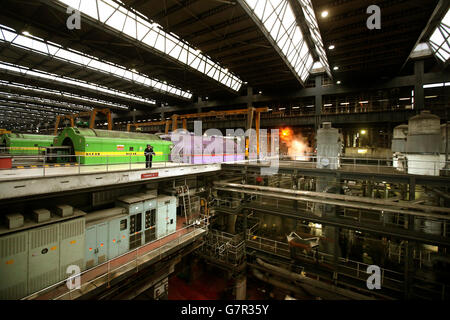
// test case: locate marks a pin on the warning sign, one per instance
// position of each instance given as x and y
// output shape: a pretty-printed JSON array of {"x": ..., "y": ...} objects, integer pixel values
[
  {"x": 149, "y": 175},
  {"x": 120, "y": 147}
]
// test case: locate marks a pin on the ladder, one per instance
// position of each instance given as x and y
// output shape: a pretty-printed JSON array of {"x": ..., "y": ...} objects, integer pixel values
[{"x": 184, "y": 193}]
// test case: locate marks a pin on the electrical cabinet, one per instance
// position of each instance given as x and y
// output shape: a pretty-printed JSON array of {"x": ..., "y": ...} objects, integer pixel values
[
  {"x": 72, "y": 244},
  {"x": 118, "y": 236},
  {"x": 133, "y": 204},
  {"x": 43, "y": 257},
  {"x": 166, "y": 217},
  {"x": 14, "y": 266},
  {"x": 135, "y": 208},
  {"x": 96, "y": 244},
  {"x": 150, "y": 203},
  {"x": 135, "y": 231}
]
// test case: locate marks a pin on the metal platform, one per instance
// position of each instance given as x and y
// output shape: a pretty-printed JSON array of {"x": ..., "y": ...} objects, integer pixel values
[{"x": 16, "y": 183}]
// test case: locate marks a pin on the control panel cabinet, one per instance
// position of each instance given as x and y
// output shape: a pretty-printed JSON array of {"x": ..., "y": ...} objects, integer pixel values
[
  {"x": 14, "y": 266},
  {"x": 43, "y": 257}
]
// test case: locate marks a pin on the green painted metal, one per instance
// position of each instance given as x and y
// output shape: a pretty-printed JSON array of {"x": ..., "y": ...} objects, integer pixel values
[
  {"x": 93, "y": 146},
  {"x": 25, "y": 144}
]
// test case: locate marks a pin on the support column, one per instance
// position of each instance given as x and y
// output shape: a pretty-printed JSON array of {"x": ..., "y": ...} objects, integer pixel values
[
  {"x": 318, "y": 103},
  {"x": 199, "y": 103},
  {"x": 257, "y": 125},
  {"x": 167, "y": 126},
  {"x": 174, "y": 122},
  {"x": 249, "y": 97},
  {"x": 409, "y": 263},
  {"x": 241, "y": 288},
  {"x": 419, "y": 96}
]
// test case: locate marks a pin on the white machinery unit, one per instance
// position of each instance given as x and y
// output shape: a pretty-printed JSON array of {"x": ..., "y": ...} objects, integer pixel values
[
  {"x": 329, "y": 147},
  {"x": 399, "y": 147},
  {"x": 423, "y": 144}
]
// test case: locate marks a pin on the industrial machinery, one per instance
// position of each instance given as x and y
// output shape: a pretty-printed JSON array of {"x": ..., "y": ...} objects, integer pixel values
[
  {"x": 93, "y": 146},
  {"x": 106, "y": 235},
  {"x": 25, "y": 144},
  {"x": 91, "y": 114},
  {"x": 423, "y": 144},
  {"x": 399, "y": 146},
  {"x": 35, "y": 253},
  {"x": 307, "y": 244},
  {"x": 189, "y": 148}
]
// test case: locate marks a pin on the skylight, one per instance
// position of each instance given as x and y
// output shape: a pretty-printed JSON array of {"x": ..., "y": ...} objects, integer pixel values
[
  {"x": 311, "y": 20},
  {"x": 440, "y": 39},
  {"x": 277, "y": 21},
  {"x": 74, "y": 82},
  {"x": 55, "y": 51},
  {"x": 62, "y": 94},
  {"x": 45, "y": 101},
  {"x": 134, "y": 25}
]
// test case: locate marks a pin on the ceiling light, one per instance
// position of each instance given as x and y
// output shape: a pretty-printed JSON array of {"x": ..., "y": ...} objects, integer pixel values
[
  {"x": 336, "y": 68},
  {"x": 430, "y": 97},
  {"x": 331, "y": 47},
  {"x": 324, "y": 14},
  {"x": 364, "y": 102},
  {"x": 295, "y": 107},
  {"x": 26, "y": 33},
  {"x": 328, "y": 105},
  {"x": 404, "y": 99},
  {"x": 345, "y": 103},
  {"x": 339, "y": 82}
]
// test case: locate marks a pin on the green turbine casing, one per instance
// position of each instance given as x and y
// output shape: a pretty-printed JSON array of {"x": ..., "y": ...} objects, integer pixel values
[
  {"x": 25, "y": 144},
  {"x": 94, "y": 146}
]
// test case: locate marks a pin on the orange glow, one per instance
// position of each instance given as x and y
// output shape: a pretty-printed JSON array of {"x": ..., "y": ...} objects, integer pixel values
[
  {"x": 297, "y": 145},
  {"x": 286, "y": 134}
]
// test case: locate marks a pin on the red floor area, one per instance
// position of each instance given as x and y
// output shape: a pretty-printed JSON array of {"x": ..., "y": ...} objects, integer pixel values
[
  {"x": 209, "y": 287},
  {"x": 206, "y": 287}
]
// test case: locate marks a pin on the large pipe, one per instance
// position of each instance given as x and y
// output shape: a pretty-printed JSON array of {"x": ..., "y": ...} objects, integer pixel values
[
  {"x": 276, "y": 283},
  {"x": 314, "y": 283},
  {"x": 337, "y": 196},
  {"x": 441, "y": 193},
  {"x": 338, "y": 203}
]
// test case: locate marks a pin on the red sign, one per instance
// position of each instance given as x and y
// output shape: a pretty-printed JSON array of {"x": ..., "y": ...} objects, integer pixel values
[
  {"x": 120, "y": 147},
  {"x": 149, "y": 175}
]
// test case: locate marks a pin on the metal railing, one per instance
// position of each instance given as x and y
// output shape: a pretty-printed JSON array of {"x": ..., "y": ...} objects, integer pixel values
[
  {"x": 430, "y": 225},
  {"x": 130, "y": 261},
  {"x": 107, "y": 163},
  {"x": 224, "y": 247}
]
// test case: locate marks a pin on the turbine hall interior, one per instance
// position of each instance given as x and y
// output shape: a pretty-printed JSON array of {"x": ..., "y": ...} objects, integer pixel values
[{"x": 225, "y": 150}]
